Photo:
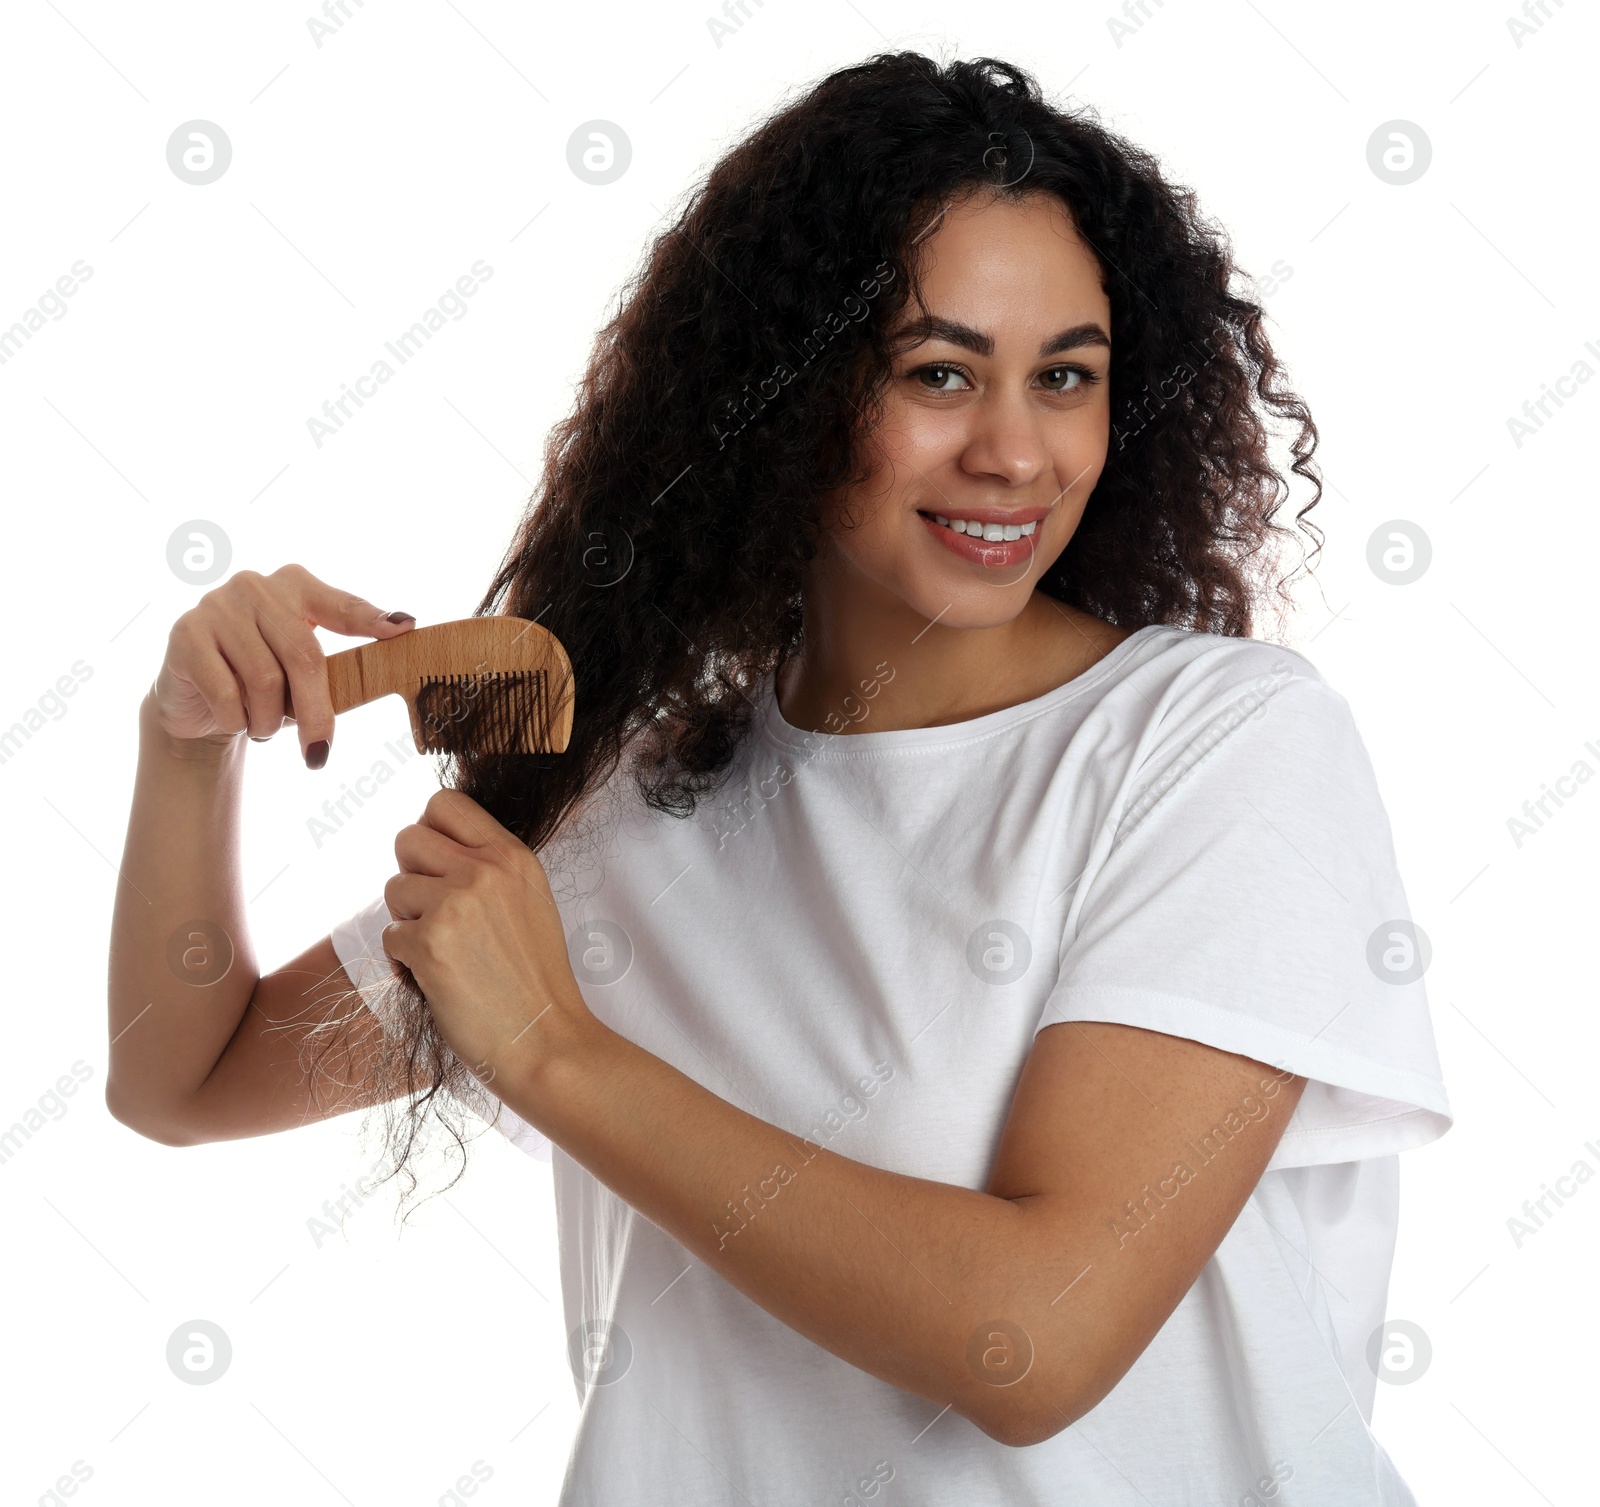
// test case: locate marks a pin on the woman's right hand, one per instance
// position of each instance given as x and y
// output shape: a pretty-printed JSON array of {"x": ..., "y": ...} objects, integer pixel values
[{"x": 232, "y": 655}]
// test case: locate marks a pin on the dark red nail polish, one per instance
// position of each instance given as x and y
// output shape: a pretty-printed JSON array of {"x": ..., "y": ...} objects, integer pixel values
[
  {"x": 317, "y": 754},
  {"x": 400, "y": 617}
]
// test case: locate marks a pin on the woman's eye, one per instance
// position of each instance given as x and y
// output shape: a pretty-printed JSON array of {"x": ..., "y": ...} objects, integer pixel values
[
  {"x": 940, "y": 371},
  {"x": 1081, "y": 378},
  {"x": 937, "y": 376}
]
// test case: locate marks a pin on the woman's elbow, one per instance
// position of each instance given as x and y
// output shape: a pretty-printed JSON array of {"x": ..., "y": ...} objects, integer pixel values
[
  {"x": 165, "y": 1129},
  {"x": 1020, "y": 1416}
]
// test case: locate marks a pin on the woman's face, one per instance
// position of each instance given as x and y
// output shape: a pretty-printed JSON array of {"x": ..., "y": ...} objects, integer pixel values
[{"x": 997, "y": 416}]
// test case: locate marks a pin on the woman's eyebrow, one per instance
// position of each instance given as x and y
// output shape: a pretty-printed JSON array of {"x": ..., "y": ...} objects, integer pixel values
[{"x": 936, "y": 327}]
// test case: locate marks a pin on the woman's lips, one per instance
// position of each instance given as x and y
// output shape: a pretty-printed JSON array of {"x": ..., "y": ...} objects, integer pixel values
[{"x": 993, "y": 554}]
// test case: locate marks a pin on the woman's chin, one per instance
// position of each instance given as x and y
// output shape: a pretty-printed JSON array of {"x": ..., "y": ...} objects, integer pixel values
[{"x": 968, "y": 603}]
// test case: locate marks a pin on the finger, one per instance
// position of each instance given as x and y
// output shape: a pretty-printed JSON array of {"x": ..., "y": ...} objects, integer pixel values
[
  {"x": 195, "y": 655},
  {"x": 288, "y": 604},
  {"x": 424, "y": 850},
  {"x": 326, "y": 606},
  {"x": 309, "y": 701},
  {"x": 256, "y": 669},
  {"x": 460, "y": 817},
  {"x": 399, "y": 941},
  {"x": 410, "y": 896}
]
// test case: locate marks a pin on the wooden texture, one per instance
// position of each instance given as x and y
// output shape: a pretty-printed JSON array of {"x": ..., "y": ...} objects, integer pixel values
[{"x": 481, "y": 647}]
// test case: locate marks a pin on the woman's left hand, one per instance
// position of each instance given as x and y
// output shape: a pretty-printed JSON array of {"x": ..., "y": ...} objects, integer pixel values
[{"x": 478, "y": 927}]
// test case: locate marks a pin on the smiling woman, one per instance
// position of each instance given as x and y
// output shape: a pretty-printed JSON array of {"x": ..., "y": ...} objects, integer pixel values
[{"x": 923, "y": 763}]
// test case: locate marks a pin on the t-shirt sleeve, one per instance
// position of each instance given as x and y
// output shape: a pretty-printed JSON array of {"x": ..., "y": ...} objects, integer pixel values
[
  {"x": 1245, "y": 894},
  {"x": 358, "y": 944}
]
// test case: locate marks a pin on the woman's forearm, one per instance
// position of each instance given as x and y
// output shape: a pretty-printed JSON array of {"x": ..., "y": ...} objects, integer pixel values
[
  {"x": 944, "y": 1291},
  {"x": 182, "y": 969},
  {"x": 900, "y": 1276}
]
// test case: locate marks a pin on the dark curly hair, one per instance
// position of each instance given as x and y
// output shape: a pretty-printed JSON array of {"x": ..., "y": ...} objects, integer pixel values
[{"x": 679, "y": 504}]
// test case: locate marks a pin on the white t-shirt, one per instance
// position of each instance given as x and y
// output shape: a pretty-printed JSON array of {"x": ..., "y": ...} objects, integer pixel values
[{"x": 857, "y": 939}]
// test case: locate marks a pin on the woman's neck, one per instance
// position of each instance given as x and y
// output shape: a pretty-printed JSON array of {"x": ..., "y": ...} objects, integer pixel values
[{"x": 875, "y": 662}]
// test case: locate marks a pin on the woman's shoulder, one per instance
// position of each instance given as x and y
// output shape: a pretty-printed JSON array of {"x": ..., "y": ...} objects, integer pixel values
[
  {"x": 1165, "y": 688},
  {"x": 1192, "y": 664},
  {"x": 1093, "y": 647}
]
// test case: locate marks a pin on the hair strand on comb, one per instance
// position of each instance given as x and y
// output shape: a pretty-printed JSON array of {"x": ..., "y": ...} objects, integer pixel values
[{"x": 495, "y": 712}]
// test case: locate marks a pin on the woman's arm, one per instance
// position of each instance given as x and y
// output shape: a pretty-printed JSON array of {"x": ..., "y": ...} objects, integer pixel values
[
  {"x": 1020, "y": 1306},
  {"x": 178, "y": 883},
  {"x": 184, "y": 991}
]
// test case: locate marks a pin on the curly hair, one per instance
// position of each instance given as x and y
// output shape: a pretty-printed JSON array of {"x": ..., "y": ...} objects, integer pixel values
[{"x": 679, "y": 505}]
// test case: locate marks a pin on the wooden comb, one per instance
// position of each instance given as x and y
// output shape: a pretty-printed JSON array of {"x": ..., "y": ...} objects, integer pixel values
[{"x": 496, "y": 685}]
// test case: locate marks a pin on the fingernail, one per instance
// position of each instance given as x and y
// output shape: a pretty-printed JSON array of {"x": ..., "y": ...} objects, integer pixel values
[
  {"x": 317, "y": 754},
  {"x": 255, "y": 739},
  {"x": 399, "y": 617}
]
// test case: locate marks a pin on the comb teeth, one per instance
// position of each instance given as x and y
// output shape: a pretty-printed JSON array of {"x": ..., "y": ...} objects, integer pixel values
[{"x": 495, "y": 712}]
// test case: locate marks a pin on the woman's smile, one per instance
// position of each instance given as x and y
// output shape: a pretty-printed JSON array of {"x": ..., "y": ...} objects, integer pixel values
[{"x": 995, "y": 538}]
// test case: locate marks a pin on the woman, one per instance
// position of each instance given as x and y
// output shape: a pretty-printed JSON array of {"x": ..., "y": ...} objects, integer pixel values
[{"x": 963, "y": 977}]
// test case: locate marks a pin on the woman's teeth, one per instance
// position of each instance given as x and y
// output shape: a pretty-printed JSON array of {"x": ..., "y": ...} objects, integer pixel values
[{"x": 990, "y": 533}]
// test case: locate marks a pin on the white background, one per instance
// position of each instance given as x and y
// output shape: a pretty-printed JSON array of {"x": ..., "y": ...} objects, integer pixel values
[{"x": 368, "y": 174}]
